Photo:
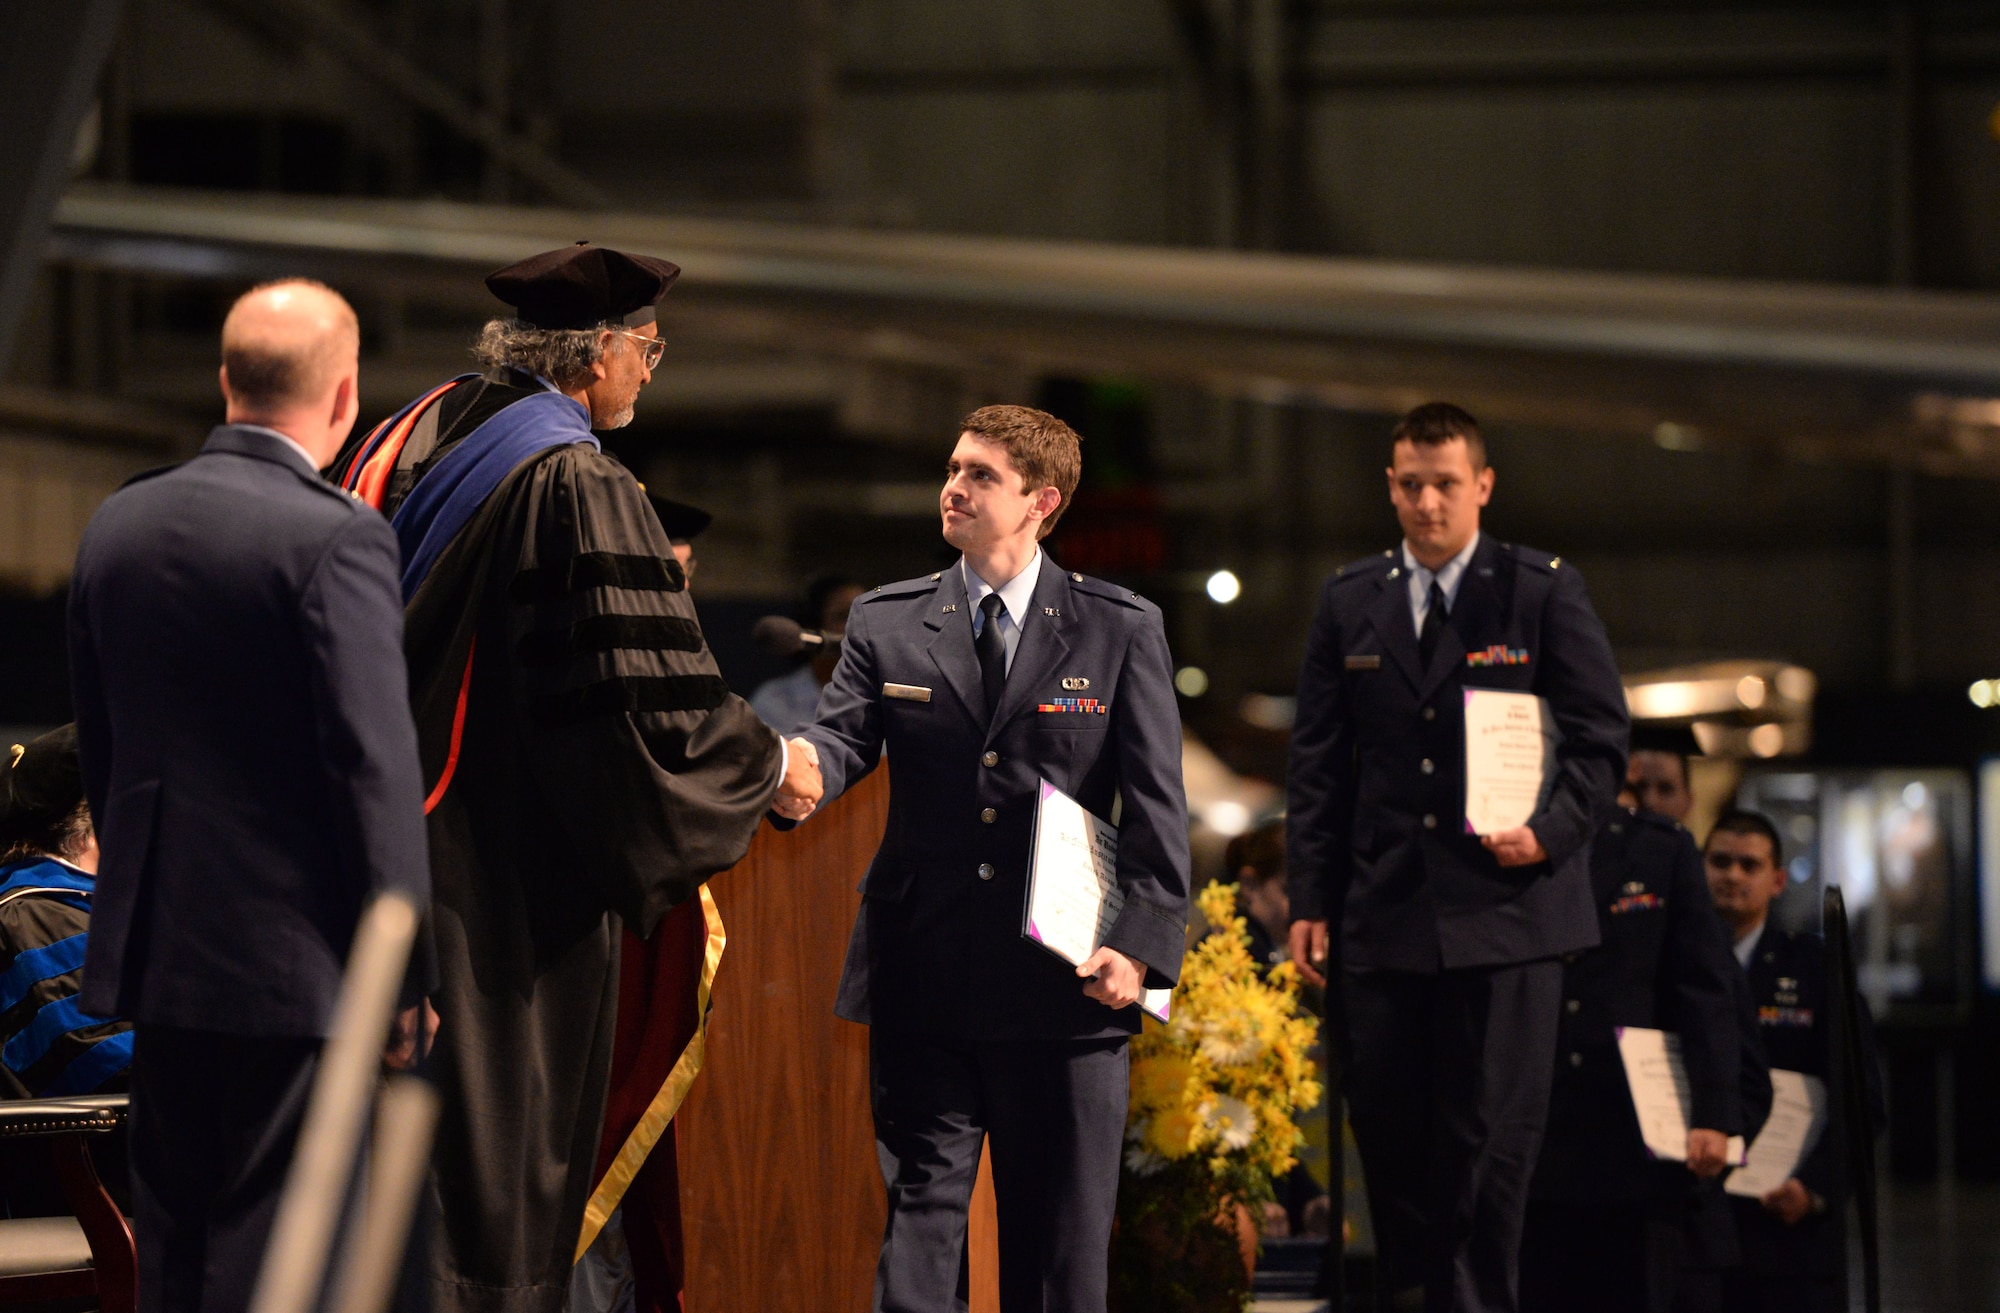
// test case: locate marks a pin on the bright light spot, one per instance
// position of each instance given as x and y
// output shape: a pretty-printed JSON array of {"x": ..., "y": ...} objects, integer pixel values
[
  {"x": 1226, "y": 817},
  {"x": 1795, "y": 683},
  {"x": 1224, "y": 587},
  {"x": 1268, "y": 712},
  {"x": 1981, "y": 693},
  {"x": 1750, "y": 692},
  {"x": 1191, "y": 681},
  {"x": 1767, "y": 740},
  {"x": 1677, "y": 437},
  {"x": 1915, "y": 795}
]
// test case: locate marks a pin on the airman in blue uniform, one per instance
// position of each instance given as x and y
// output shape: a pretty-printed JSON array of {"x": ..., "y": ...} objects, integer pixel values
[
  {"x": 982, "y": 681},
  {"x": 1443, "y": 948}
]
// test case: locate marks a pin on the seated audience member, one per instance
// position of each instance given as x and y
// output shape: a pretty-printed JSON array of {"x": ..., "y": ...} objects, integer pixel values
[
  {"x": 1794, "y": 1239},
  {"x": 1255, "y": 860},
  {"x": 683, "y": 524},
  {"x": 49, "y": 1047},
  {"x": 788, "y": 702},
  {"x": 1607, "y": 1224}
]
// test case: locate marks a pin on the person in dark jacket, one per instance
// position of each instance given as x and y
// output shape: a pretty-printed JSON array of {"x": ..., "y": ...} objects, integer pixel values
[
  {"x": 987, "y": 681},
  {"x": 1606, "y": 1221},
  {"x": 1443, "y": 947},
  {"x": 1794, "y": 1239},
  {"x": 49, "y": 1046},
  {"x": 236, "y": 658}
]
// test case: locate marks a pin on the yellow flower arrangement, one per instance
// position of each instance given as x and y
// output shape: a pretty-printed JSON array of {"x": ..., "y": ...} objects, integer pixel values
[
  {"x": 1210, "y": 1120},
  {"x": 1225, "y": 1075}
]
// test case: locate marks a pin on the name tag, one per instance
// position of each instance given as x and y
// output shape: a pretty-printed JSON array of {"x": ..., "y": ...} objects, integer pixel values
[
  {"x": 1369, "y": 661},
  {"x": 907, "y": 692}
]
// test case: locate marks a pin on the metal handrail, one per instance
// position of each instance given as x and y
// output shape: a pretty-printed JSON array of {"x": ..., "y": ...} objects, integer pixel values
[{"x": 331, "y": 1140}]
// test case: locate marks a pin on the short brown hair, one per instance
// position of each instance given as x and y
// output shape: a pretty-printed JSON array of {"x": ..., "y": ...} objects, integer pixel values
[
  {"x": 1047, "y": 452},
  {"x": 1437, "y": 422}
]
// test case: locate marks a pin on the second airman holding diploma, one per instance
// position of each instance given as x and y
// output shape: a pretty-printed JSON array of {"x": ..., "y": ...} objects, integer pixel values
[
  {"x": 983, "y": 680},
  {"x": 1443, "y": 946}
]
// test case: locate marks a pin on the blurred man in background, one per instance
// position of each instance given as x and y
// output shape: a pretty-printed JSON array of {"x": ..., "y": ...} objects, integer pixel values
[
  {"x": 786, "y": 703},
  {"x": 236, "y": 654},
  {"x": 1794, "y": 1239},
  {"x": 1607, "y": 1223},
  {"x": 1442, "y": 948},
  {"x": 1657, "y": 774}
]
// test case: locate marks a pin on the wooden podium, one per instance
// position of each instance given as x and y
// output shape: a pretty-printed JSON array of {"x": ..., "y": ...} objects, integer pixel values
[{"x": 782, "y": 1200}]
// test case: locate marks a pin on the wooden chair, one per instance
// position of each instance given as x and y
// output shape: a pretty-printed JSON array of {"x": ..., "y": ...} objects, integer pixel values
[{"x": 90, "y": 1254}]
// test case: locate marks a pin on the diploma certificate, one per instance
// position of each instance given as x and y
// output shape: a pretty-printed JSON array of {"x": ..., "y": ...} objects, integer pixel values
[
  {"x": 1661, "y": 1094},
  {"x": 1073, "y": 893},
  {"x": 1510, "y": 758},
  {"x": 1798, "y": 1116}
]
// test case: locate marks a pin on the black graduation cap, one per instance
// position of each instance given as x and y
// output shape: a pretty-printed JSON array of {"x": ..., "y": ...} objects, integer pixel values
[
  {"x": 44, "y": 784},
  {"x": 680, "y": 520},
  {"x": 583, "y": 285},
  {"x": 1677, "y": 739}
]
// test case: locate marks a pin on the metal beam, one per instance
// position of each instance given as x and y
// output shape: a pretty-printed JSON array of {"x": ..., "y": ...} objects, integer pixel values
[
  {"x": 51, "y": 55},
  {"x": 1818, "y": 371},
  {"x": 327, "y": 25}
]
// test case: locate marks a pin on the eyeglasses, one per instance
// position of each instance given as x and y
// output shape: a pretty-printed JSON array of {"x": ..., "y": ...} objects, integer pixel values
[
  {"x": 1741, "y": 861},
  {"x": 651, "y": 349}
]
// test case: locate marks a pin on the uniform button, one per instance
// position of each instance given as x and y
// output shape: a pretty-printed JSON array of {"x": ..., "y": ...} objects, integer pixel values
[
  {"x": 1430, "y": 821},
  {"x": 1427, "y": 766},
  {"x": 1576, "y": 1059},
  {"x": 990, "y": 759},
  {"x": 1574, "y": 1006},
  {"x": 1430, "y": 713},
  {"x": 986, "y": 870},
  {"x": 989, "y": 816}
]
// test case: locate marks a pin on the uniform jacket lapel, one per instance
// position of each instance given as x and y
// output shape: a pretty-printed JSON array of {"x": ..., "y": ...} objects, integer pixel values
[
  {"x": 1476, "y": 615},
  {"x": 951, "y": 644},
  {"x": 1042, "y": 648},
  {"x": 1397, "y": 632}
]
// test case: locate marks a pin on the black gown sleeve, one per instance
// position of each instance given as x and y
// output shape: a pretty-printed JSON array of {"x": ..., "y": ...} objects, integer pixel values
[{"x": 658, "y": 772}]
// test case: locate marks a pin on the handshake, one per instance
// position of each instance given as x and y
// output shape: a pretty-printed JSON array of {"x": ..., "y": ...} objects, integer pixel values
[{"x": 801, "y": 789}]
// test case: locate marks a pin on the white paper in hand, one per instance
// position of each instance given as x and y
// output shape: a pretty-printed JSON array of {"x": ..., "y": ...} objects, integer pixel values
[
  {"x": 1510, "y": 758},
  {"x": 1073, "y": 893},
  {"x": 1661, "y": 1094},
  {"x": 1798, "y": 1116}
]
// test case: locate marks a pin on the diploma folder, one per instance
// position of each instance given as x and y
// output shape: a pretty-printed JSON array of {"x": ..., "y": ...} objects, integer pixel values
[
  {"x": 1073, "y": 894},
  {"x": 1510, "y": 758},
  {"x": 1661, "y": 1093}
]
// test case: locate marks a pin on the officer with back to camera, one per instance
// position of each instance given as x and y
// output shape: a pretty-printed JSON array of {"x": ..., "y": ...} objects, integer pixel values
[{"x": 1444, "y": 948}]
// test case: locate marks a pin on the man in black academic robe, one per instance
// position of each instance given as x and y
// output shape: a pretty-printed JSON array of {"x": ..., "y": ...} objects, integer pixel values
[{"x": 584, "y": 763}]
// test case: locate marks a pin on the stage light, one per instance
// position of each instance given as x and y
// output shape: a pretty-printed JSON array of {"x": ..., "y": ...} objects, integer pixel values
[
  {"x": 1224, "y": 587},
  {"x": 1191, "y": 681},
  {"x": 1982, "y": 693},
  {"x": 1227, "y": 817}
]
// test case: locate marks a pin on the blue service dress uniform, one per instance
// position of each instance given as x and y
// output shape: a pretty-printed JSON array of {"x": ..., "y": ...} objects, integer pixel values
[
  {"x": 975, "y": 1032},
  {"x": 243, "y": 725},
  {"x": 1606, "y": 1222},
  {"x": 1449, "y": 979},
  {"x": 1800, "y": 1268}
]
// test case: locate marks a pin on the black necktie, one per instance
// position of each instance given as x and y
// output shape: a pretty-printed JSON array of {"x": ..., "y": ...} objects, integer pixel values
[
  {"x": 1434, "y": 623},
  {"x": 992, "y": 646}
]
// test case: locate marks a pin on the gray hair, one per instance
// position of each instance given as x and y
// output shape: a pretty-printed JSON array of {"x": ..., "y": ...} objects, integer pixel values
[{"x": 563, "y": 356}]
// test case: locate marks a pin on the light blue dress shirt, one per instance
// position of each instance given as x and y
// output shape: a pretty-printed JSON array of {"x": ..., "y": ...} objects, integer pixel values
[
  {"x": 1015, "y": 595},
  {"x": 1448, "y": 577}
]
